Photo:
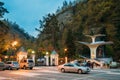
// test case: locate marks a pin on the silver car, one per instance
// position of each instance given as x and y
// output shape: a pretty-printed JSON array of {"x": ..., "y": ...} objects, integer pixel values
[
  {"x": 12, "y": 65},
  {"x": 73, "y": 67}
]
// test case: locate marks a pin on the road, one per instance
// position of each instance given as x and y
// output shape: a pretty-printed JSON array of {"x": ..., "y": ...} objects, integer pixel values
[{"x": 51, "y": 73}]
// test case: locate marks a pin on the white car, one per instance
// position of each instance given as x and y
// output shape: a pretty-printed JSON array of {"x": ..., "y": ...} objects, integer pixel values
[
  {"x": 12, "y": 65},
  {"x": 72, "y": 67},
  {"x": 27, "y": 63},
  {"x": 114, "y": 65}
]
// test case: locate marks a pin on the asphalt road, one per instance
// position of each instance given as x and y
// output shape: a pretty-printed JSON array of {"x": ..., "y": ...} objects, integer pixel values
[{"x": 51, "y": 73}]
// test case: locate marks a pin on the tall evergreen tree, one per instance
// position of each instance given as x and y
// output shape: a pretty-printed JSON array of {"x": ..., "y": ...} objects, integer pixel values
[
  {"x": 2, "y": 10},
  {"x": 70, "y": 45}
]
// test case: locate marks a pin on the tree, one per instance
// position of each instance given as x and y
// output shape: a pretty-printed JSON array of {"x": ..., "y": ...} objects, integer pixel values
[
  {"x": 3, "y": 34},
  {"x": 3, "y": 27},
  {"x": 2, "y": 10},
  {"x": 50, "y": 29},
  {"x": 70, "y": 45},
  {"x": 88, "y": 17}
]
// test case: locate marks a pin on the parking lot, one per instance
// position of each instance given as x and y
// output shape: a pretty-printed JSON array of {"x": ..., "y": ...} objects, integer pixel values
[{"x": 51, "y": 73}]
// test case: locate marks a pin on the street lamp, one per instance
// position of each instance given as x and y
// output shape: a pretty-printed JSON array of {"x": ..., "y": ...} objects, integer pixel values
[
  {"x": 14, "y": 43},
  {"x": 47, "y": 53},
  {"x": 47, "y": 58},
  {"x": 33, "y": 52},
  {"x": 65, "y": 49},
  {"x": 33, "y": 56},
  {"x": 66, "y": 58},
  {"x": 6, "y": 57}
]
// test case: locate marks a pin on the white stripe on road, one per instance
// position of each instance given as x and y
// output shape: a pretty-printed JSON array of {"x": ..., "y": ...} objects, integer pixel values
[
  {"x": 25, "y": 74},
  {"x": 87, "y": 77},
  {"x": 115, "y": 73},
  {"x": 4, "y": 78},
  {"x": 47, "y": 78},
  {"x": 28, "y": 74},
  {"x": 49, "y": 71},
  {"x": 108, "y": 72}
]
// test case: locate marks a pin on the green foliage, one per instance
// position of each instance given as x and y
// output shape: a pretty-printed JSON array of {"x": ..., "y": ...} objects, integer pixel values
[
  {"x": 2, "y": 10},
  {"x": 70, "y": 45},
  {"x": 11, "y": 32},
  {"x": 3, "y": 34},
  {"x": 88, "y": 17}
]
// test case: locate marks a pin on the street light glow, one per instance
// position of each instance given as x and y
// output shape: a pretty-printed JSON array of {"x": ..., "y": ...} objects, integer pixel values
[
  {"x": 33, "y": 52},
  {"x": 65, "y": 49},
  {"x": 14, "y": 43},
  {"x": 47, "y": 53},
  {"x": 6, "y": 57}
]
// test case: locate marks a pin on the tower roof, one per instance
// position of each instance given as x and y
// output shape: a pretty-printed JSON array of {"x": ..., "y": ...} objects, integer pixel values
[
  {"x": 96, "y": 43},
  {"x": 97, "y": 35},
  {"x": 53, "y": 52}
]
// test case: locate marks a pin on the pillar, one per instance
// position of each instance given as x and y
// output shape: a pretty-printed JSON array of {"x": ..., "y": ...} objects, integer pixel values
[
  {"x": 33, "y": 58},
  {"x": 93, "y": 52},
  {"x": 66, "y": 60},
  {"x": 56, "y": 62},
  {"x": 47, "y": 60},
  {"x": 51, "y": 60},
  {"x": 93, "y": 39}
]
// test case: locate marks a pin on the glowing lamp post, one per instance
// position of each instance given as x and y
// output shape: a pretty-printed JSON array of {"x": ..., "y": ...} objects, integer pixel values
[
  {"x": 65, "y": 49},
  {"x": 14, "y": 43},
  {"x": 33, "y": 56},
  {"x": 47, "y": 58},
  {"x": 6, "y": 57},
  {"x": 66, "y": 58}
]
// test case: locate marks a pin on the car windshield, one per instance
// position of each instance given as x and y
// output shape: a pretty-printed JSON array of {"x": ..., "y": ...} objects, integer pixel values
[
  {"x": 30, "y": 61},
  {"x": 8, "y": 62},
  {"x": 15, "y": 62},
  {"x": 1, "y": 63},
  {"x": 77, "y": 64}
]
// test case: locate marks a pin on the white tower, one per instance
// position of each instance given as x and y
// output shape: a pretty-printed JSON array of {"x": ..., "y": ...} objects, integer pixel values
[{"x": 94, "y": 45}]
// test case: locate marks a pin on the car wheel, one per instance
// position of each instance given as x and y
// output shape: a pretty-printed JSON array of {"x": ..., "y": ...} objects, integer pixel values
[
  {"x": 79, "y": 71},
  {"x": 31, "y": 68},
  {"x": 9, "y": 68},
  {"x": 24, "y": 67},
  {"x": 3, "y": 69},
  {"x": 62, "y": 70}
]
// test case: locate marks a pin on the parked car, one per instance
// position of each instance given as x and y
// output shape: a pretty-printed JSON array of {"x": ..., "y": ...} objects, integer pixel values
[
  {"x": 27, "y": 63},
  {"x": 12, "y": 65},
  {"x": 72, "y": 67},
  {"x": 114, "y": 65},
  {"x": 2, "y": 66}
]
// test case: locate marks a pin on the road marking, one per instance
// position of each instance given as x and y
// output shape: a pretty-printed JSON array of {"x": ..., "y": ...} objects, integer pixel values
[
  {"x": 25, "y": 74},
  {"x": 49, "y": 71},
  {"x": 107, "y": 71},
  {"x": 116, "y": 73},
  {"x": 4, "y": 78},
  {"x": 46, "y": 78},
  {"x": 87, "y": 77}
]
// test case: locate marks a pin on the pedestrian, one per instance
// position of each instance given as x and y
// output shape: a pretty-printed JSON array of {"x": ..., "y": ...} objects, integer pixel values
[
  {"x": 92, "y": 65},
  {"x": 88, "y": 64}
]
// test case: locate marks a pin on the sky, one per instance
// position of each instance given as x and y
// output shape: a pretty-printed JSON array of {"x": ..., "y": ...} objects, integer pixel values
[{"x": 27, "y": 13}]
